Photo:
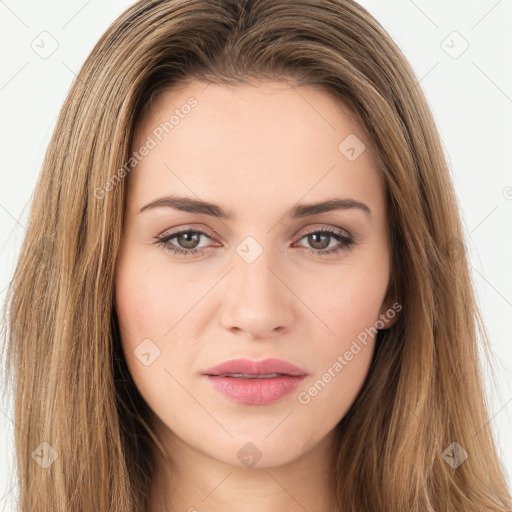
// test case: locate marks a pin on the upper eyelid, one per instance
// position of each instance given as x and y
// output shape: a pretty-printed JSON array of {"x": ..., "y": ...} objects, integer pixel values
[{"x": 190, "y": 229}]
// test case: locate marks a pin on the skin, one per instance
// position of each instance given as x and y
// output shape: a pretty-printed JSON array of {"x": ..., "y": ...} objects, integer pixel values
[{"x": 256, "y": 150}]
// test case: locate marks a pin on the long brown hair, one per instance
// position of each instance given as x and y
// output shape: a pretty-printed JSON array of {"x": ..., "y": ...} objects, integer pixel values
[{"x": 72, "y": 388}]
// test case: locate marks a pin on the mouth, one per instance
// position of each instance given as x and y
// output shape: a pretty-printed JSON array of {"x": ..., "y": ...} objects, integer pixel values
[
  {"x": 252, "y": 376},
  {"x": 255, "y": 382}
]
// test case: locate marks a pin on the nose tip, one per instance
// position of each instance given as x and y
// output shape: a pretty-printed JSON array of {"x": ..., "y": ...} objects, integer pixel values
[{"x": 257, "y": 302}]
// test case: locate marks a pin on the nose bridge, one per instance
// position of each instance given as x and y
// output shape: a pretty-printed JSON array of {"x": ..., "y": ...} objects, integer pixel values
[
  {"x": 258, "y": 302},
  {"x": 255, "y": 281}
]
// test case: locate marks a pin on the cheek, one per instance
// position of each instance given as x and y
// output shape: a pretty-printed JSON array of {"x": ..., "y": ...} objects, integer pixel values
[
  {"x": 348, "y": 307},
  {"x": 137, "y": 304},
  {"x": 150, "y": 298},
  {"x": 141, "y": 324},
  {"x": 341, "y": 359},
  {"x": 345, "y": 304},
  {"x": 153, "y": 305}
]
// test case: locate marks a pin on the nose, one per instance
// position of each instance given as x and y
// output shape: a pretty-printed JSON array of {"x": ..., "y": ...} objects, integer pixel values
[{"x": 256, "y": 299}]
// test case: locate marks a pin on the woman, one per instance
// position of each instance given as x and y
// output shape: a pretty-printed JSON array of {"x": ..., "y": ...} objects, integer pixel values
[{"x": 243, "y": 283}]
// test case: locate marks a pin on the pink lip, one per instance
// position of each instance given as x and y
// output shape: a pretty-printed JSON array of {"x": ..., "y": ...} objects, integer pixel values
[{"x": 255, "y": 391}]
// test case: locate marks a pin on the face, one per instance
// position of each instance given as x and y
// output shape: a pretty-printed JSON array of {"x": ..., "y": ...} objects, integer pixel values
[{"x": 254, "y": 274}]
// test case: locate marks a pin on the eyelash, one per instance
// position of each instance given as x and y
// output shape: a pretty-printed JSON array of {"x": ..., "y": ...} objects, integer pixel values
[{"x": 340, "y": 236}]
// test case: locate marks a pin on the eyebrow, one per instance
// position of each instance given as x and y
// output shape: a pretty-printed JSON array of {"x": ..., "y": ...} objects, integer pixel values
[{"x": 188, "y": 204}]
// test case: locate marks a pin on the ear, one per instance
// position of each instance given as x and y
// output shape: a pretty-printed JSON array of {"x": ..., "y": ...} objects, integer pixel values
[{"x": 389, "y": 310}]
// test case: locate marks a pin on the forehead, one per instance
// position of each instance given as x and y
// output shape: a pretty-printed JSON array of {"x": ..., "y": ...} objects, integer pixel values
[
  {"x": 251, "y": 144},
  {"x": 264, "y": 102}
]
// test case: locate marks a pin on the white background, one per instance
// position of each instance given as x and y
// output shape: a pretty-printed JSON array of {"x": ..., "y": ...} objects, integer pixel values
[{"x": 471, "y": 97}]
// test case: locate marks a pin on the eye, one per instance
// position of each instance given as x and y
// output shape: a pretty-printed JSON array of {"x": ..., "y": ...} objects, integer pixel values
[
  {"x": 320, "y": 240},
  {"x": 188, "y": 238}
]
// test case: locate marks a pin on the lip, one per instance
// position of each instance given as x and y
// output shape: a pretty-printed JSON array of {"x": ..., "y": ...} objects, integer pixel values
[
  {"x": 251, "y": 367},
  {"x": 254, "y": 390}
]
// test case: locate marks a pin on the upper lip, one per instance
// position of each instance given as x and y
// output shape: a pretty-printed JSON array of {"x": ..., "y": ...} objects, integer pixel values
[{"x": 251, "y": 367}]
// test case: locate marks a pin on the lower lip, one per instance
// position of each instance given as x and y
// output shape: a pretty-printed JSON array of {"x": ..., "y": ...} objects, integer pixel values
[{"x": 255, "y": 391}]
